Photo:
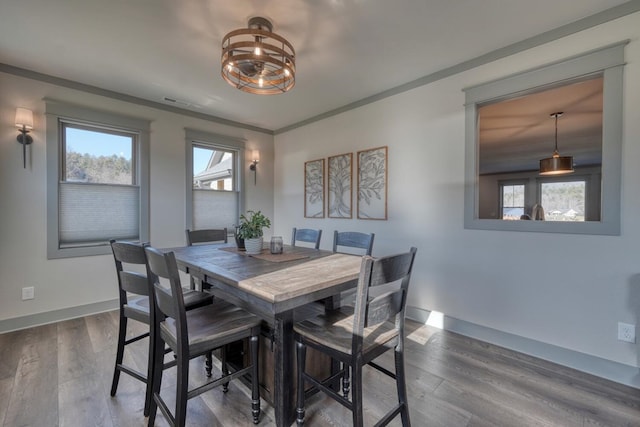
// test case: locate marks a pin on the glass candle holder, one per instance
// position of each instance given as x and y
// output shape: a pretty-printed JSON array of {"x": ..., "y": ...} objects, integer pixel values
[{"x": 276, "y": 245}]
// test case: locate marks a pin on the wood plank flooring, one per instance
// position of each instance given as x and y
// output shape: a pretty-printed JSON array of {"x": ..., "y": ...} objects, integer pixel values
[{"x": 60, "y": 375}]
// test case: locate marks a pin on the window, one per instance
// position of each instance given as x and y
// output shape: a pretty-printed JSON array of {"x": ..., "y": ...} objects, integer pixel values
[
  {"x": 564, "y": 200},
  {"x": 213, "y": 180},
  {"x": 602, "y": 193},
  {"x": 512, "y": 201},
  {"x": 97, "y": 180}
]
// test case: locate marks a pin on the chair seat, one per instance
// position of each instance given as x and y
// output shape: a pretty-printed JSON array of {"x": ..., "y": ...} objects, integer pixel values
[
  {"x": 211, "y": 326},
  {"x": 335, "y": 330},
  {"x": 137, "y": 308}
]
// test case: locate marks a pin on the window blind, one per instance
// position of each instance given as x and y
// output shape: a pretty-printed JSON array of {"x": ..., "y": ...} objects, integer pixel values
[
  {"x": 215, "y": 209},
  {"x": 95, "y": 213}
]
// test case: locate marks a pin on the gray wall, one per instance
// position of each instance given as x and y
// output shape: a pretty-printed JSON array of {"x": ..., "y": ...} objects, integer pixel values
[
  {"x": 74, "y": 286},
  {"x": 556, "y": 291}
]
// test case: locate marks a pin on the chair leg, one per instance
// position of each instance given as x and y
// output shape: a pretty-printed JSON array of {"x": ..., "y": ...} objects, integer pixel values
[
  {"x": 122, "y": 336},
  {"x": 148, "y": 397},
  {"x": 301, "y": 355},
  {"x": 182, "y": 384},
  {"x": 158, "y": 364},
  {"x": 225, "y": 367},
  {"x": 255, "y": 378},
  {"x": 356, "y": 393},
  {"x": 208, "y": 363},
  {"x": 345, "y": 381},
  {"x": 401, "y": 385}
]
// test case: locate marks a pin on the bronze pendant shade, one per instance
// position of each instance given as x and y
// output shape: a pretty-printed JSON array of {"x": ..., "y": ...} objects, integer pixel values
[
  {"x": 556, "y": 164},
  {"x": 258, "y": 61}
]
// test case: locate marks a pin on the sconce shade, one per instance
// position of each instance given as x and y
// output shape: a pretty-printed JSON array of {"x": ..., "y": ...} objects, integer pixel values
[
  {"x": 256, "y": 155},
  {"x": 24, "y": 118},
  {"x": 556, "y": 164}
]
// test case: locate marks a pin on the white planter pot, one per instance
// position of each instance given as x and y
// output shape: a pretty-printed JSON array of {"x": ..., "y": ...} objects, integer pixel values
[{"x": 253, "y": 246}]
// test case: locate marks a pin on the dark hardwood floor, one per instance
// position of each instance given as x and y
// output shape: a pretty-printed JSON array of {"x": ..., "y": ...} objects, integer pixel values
[{"x": 60, "y": 375}]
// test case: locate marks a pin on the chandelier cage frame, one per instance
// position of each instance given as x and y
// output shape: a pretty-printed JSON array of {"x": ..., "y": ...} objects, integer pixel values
[{"x": 258, "y": 61}]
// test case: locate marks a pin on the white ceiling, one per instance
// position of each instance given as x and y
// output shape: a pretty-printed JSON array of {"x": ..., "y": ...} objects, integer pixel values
[{"x": 346, "y": 50}]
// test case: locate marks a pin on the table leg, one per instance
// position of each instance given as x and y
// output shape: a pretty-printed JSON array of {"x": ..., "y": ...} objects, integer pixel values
[{"x": 283, "y": 376}]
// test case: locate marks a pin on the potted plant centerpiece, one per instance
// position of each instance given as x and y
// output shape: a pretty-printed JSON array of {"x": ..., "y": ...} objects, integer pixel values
[{"x": 250, "y": 230}]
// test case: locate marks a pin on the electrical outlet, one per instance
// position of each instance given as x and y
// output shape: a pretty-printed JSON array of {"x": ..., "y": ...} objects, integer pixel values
[
  {"x": 626, "y": 332},
  {"x": 28, "y": 293}
]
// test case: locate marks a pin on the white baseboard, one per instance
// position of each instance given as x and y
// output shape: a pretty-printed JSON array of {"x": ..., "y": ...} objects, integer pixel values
[
  {"x": 614, "y": 371},
  {"x": 38, "y": 319}
]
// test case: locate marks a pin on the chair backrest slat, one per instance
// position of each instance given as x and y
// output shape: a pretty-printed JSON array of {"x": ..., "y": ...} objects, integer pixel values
[
  {"x": 353, "y": 239},
  {"x": 207, "y": 236},
  {"x": 134, "y": 282},
  {"x": 389, "y": 269},
  {"x": 307, "y": 235},
  {"x": 128, "y": 252},
  {"x": 383, "y": 307},
  {"x": 165, "y": 302}
]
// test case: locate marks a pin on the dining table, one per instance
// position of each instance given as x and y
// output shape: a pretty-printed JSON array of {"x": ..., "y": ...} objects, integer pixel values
[{"x": 274, "y": 287}]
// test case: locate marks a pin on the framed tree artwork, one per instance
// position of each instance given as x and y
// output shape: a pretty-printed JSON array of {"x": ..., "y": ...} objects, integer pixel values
[
  {"x": 314, "y": 189},
  {"x": 340, "y": 188},
  {"x": 372, "y": 183}
]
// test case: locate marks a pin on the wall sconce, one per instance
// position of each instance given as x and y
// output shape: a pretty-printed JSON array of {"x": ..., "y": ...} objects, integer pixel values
[
  {"x": 24, "y": 123},
  {"x": 254, "y": 163}
]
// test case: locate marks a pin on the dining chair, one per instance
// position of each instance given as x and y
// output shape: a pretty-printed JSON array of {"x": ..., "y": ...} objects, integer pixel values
[
  {"x": 358, "y": 244},
  {"x": 193, "y": 333},
  {"x": 210, "y": 235},
  {"x": 307, "y": 235},
  {"x": 357, "y": 336},
  {"x": 135, "y": 303},
  {"x": 353, "y": 239}
]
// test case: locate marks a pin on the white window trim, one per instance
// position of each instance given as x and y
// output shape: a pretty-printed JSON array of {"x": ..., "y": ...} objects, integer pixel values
[
  {"x": 56, "y": 111},
  {"x": 213, "y": 140},
  {"x": 609, "y": 61}
]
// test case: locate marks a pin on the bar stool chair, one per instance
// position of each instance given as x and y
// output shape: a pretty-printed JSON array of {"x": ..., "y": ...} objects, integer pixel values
[
  {"x": 211, "y": 235},
  {"x": 357, "y": 336},
  {"x": 353, "y": 239},
  {"x": 134, "y": 295},
  {"x": 307, "y": 235},
  {"x": 193, "y": 333}
]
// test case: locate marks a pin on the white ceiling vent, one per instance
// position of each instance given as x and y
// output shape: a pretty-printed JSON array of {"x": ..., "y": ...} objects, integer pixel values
[{"x": 180, "y": 103}]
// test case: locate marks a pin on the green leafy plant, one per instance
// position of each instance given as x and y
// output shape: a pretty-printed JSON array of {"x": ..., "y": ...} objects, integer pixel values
[{"x": 251, "y": 225}]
